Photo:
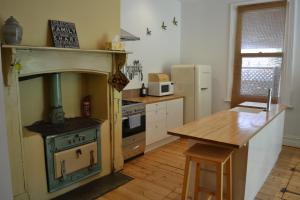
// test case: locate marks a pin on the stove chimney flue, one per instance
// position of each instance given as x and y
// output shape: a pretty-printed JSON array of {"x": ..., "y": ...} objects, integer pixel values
[{"x": 57, "y": 114}]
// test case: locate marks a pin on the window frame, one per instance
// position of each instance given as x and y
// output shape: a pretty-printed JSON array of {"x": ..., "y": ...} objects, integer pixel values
[{"x": 236, "y": 97}]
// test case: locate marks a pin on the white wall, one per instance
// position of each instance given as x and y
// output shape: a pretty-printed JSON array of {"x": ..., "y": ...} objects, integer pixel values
[
  {"x": 292, "y": 133},
  {"x": 160, "y": 50},
  {"x": 204, "y": 40},
  {"x": 5, "y": 180}
]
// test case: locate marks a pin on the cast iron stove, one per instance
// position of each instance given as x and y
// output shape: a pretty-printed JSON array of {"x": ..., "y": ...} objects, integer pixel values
[{"x": 72, "y": 145}]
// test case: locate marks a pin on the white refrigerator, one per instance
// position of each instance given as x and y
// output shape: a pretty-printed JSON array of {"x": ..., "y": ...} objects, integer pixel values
[{"x": 194, "y": 83}]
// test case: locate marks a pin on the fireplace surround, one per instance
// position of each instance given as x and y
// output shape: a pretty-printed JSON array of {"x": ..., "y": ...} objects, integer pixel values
[{"x": 27, "y": 149}]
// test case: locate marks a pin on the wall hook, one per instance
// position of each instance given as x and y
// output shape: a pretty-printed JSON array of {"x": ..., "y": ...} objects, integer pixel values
[
  {"x": 175, "y": 22},
  {"x": 148, "y": 31},
  {"x": 163, "y": 26}
]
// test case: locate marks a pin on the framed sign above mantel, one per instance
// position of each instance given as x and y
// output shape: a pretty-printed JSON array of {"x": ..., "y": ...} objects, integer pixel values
[
  {"x": 32, "y": 60},
  {"x": 64, "y": 34}
]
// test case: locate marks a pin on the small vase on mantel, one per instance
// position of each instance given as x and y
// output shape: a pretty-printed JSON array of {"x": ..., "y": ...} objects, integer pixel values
[{"x": 12, "y": 31}]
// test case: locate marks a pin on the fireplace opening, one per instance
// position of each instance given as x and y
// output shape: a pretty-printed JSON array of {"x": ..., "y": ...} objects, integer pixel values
[
  {"x": 72, "y": 143},
  {"x": 57, "y": 123}
]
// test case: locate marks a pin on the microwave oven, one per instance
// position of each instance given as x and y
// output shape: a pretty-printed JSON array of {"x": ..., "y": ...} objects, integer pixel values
[{"x": 160, "y": 88}]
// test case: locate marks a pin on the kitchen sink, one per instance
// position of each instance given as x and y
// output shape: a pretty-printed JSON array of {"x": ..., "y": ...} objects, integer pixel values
[{"x": 247, "y": 110}]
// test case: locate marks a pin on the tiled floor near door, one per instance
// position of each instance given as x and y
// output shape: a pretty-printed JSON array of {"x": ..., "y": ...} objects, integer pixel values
[{"x": 159, "y": 174}]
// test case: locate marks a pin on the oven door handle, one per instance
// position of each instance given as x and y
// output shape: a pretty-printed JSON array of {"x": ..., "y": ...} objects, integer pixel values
[
  {"x": 125, "y": 118},
  {"x": 92, "y": 159},
  {"x": 136, "y": 147},
  {"x": 63, "y": 169}
]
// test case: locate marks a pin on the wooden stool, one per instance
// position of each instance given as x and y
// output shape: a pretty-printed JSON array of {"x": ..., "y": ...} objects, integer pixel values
[{"x": 212, "y": 155}]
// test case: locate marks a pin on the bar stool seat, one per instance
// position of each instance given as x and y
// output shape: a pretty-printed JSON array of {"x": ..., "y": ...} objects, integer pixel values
[{"x": 211, "y": 155}]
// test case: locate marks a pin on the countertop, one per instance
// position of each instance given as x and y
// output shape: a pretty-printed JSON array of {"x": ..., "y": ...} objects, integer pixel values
[
  {"x": 153, "y": 99},
  {"x": 229, "y": 128}
]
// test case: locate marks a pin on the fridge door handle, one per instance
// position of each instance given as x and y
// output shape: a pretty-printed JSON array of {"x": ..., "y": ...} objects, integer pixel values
[{"x": 204, "y": 88}]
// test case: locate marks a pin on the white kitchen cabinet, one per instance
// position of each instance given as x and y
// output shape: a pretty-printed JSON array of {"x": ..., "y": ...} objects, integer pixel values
[
  {"x": 156, "y": 119},
  {"x": 162, "y": 116},
  {"x": 174, "y": 113}
]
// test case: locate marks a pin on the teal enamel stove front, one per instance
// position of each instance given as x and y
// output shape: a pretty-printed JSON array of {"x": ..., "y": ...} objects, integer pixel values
[
  {"x": 72, "y": 150},
  {"x": 65, "y": 143}
]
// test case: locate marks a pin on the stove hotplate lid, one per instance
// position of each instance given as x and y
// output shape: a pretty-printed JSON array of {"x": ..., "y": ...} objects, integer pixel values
[
  {"x": 70, "y": 125},
  {"x": 127, "y": 102}
]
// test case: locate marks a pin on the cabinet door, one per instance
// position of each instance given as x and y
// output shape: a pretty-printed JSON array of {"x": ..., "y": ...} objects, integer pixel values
[
  {"x": 151, "y": 134},
  {"x": 155, "y": 131},
  {"x": 155, "y": 122},
  {"x": 174, "y": 113}
]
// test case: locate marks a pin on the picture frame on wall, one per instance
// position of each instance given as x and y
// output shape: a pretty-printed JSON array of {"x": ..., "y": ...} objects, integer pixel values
[{"x": 64, "y": 34}]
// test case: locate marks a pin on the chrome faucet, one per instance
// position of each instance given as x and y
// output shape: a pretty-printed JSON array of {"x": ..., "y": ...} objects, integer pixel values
[{"x": 269, "y": 100}]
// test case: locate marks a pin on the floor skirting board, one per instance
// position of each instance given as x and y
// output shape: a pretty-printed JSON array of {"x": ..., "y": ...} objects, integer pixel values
[
  {"x": 293, "y": 141},
  {"x": 160, "y": 143}
]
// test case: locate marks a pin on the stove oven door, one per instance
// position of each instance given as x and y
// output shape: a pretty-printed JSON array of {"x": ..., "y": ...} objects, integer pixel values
[
  {"x": 128, "y": 131},
  {"x": 71, "y": 160}
]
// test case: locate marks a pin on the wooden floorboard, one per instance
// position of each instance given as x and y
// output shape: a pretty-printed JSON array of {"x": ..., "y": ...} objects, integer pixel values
[{"x": 159, "y": 175}]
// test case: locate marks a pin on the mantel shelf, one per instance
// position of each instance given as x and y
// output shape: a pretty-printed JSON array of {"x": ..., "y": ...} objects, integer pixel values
[
  {"x": 25, "y": 61},
  {"x": 39, "y": 48}
]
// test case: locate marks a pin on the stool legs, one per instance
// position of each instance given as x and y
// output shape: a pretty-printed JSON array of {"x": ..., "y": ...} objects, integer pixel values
[
  {"x": 229, "y": 179},
  {"x": 186, "y": 173},
  {"x": 197, "y": 182},
  {"x": 219, "y": 182},
  {"x": 219, "y": 179},
  {"x": 221, "y": 158}
]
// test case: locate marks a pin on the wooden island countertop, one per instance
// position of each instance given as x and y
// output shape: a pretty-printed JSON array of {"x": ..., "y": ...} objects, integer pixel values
[
  {"x": 153, "y": 99},
  {"x": 230, "y": 128}
]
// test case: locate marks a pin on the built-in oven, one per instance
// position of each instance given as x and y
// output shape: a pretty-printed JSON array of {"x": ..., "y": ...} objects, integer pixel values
[{"x": 133, "y": 129}]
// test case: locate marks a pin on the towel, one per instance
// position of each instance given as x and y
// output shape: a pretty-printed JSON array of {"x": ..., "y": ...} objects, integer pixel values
[{"x": 134, "y": 121}]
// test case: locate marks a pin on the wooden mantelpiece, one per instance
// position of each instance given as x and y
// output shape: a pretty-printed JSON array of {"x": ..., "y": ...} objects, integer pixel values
[
  {"x": 23, "y": 47},
  {"x": 34, "y": 60}
]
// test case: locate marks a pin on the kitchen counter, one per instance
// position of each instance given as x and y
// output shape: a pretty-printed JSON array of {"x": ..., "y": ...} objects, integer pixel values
[
  {"x": 153, "y": 99},
  {"x": 232, "y": 128},
  {"x": 256, "y": 137}
]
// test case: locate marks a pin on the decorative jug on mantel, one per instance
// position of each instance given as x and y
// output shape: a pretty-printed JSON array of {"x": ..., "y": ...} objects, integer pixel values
[{"x": 12, "y": 31}]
